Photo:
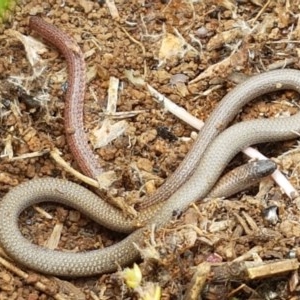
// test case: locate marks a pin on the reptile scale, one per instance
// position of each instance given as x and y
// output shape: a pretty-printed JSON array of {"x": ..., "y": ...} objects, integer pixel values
[{"x": 193, "y": 180}]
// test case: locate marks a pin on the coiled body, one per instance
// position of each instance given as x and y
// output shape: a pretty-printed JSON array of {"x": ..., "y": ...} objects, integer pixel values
[
  {"x": 216, "y": 157},
  {"x": 209, "y": 164}
]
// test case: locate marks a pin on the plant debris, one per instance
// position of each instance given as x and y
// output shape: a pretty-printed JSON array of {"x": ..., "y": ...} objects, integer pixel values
[{"x": 186, "y": 55}]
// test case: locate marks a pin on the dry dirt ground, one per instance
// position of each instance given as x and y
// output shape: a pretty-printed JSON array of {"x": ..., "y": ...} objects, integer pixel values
[{"x": 192, "y": 52}]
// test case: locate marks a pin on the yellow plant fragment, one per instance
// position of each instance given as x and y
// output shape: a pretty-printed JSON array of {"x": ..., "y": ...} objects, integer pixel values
[{"x": 132, "y": 276}]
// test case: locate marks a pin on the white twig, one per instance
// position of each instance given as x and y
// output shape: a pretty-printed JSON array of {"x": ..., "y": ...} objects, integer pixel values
[
  {"x": 184, "y": 115},
  {"x": 112, "y": 9},
  {"x": 278, "y": 177},
  {"x": 173, "y": 108}
]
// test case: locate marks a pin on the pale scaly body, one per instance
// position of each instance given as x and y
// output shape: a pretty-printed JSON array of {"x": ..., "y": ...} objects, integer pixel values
[
  {"x": 221, "y": 150},
  {"x": 73, "y": 119},
  {"x": 212, "y": 162}
]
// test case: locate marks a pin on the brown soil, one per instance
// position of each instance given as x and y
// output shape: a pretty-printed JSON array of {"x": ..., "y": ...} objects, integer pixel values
[{"x": 239, "y": 38}]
